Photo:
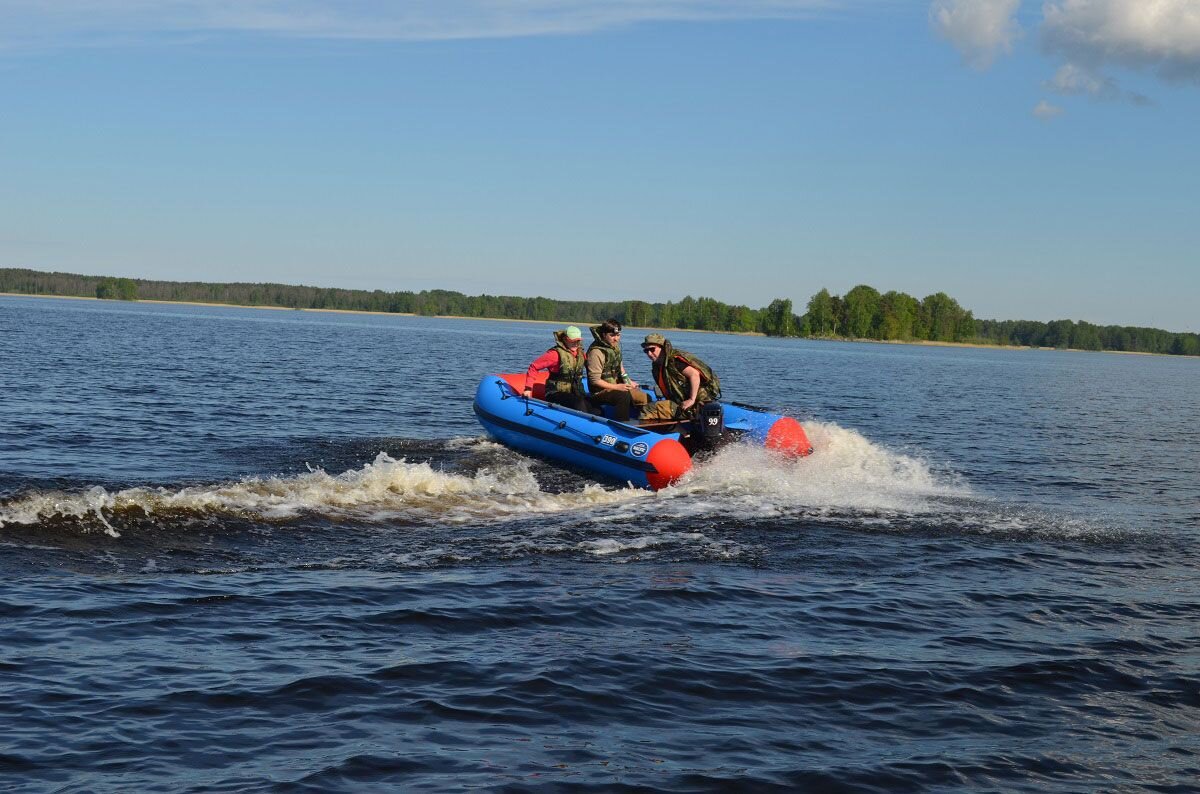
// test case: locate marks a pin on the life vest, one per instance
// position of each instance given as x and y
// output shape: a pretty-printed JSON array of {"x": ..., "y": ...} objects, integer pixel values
[
  {"x": 668, "y": 374},
  {"x": 613, "y": 369},
  {"x": 571, "y": 368}
]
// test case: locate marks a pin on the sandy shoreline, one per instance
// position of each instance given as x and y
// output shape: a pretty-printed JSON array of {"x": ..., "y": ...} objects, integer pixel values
[{"x": 585, "y": 323}]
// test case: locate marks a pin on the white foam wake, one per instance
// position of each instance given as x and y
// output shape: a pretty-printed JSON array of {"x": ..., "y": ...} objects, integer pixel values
[
  {"x": 383, "y": 490},
  {"x": 845, "y": 473}
]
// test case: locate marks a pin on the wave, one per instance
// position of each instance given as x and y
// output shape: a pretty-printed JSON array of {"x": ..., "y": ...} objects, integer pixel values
[
  {"x": 846, "y": 472},
  {"x": 384, "y": 490},
  {"x": 848, "y": 480}
]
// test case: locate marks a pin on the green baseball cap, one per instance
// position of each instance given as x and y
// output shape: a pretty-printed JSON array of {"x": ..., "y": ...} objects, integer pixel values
[{"x": 654, "y": 339}]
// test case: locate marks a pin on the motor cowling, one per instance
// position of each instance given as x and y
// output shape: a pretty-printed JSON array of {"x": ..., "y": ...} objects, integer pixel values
[{"x": 710, "y": 424}]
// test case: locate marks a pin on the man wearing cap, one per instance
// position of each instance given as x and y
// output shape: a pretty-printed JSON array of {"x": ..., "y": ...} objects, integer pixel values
[
  {"x": 566, "y": 364},
  {"x": 608, "y": 382},
  {"x": 684, "y": 381}
]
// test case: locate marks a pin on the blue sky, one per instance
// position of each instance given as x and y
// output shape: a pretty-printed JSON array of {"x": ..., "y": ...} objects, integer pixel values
[{"x": 1035, "y": 160}]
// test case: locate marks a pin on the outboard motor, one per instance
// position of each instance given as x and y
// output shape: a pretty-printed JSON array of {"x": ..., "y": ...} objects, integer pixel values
[{"x": 710, "y": 424}]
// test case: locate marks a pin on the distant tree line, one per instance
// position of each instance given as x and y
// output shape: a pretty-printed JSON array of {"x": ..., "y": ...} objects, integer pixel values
[
  {"x": 698, "y": 313},
  {"x": 862, "y": 313},
  {"x": 123, "y": 289},
  {"x": 866, "y": 314},
  {"x": 1086, "y": 336}
]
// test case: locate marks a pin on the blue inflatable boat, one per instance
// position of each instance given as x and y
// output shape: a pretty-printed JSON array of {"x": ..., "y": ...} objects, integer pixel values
[{"x": 646, "y": 455}]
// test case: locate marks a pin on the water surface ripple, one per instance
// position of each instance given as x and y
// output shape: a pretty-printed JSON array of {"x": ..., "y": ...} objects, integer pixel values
[{"x": 248, "y": 550}]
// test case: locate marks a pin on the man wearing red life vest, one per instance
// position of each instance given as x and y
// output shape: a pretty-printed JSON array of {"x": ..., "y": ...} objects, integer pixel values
[{"x": 684, "y": 381}]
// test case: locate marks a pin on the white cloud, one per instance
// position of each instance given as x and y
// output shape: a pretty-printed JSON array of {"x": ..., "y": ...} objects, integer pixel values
[
  {"x": 1163, "y": 35},
  {"x": 1072, "y": 79},
  {"x": 979, "y": 29},
  {"x": 1044, "y": 110},
  {"x": 58, "y": 22},
  {"x": 1082, "y": 80},
  {"x": 1091, "y": 36}
]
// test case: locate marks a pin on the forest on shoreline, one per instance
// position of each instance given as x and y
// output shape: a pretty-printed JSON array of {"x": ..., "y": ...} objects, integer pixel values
[{"x": 862, "y": 313}]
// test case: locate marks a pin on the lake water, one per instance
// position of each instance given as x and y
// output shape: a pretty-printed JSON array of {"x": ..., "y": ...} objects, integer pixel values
[{"x": 250, "y": 550}]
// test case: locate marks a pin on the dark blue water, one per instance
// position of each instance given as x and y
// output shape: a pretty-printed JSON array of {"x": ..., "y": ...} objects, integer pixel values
[{"x": 250, "y": 550}]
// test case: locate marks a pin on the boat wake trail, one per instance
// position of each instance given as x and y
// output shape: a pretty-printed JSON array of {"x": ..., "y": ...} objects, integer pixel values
[
  {"x": 849, "y": 481},
  {"x": 385, "y": 490},
  {"x": 852, "y": 481},
  {"x": 845, "y": 472}
]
